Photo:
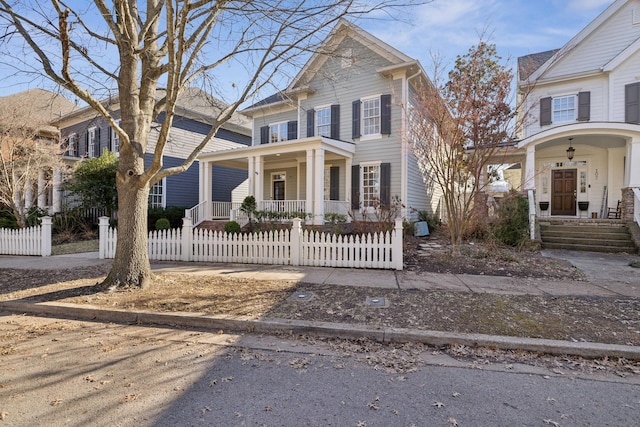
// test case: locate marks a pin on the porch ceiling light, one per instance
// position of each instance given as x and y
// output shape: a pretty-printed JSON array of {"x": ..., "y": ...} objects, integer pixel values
[{"x": 570, "y": 150}]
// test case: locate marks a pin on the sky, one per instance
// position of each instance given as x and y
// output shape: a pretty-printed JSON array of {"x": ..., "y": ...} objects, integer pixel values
[{"x": 447, "y": 28}]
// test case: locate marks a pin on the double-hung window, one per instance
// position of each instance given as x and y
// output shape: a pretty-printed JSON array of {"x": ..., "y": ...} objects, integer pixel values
[
  {"x": 371, "y": 116},
  {"x": 323, "y": 121},
  {"x": 564, "y": 108},
  {"x": 370, "y": 176},
  {"x": 157, "y": 194},
  {"x": 92, "y": 140},
  {"x": 72, "y": 145},
  {"x": 278, "y": 132},
  {"x": 115, "y": 139}
]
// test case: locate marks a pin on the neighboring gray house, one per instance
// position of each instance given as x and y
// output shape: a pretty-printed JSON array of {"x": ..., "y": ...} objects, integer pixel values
[
  {"x": 334, "y": 139},
  {"x": 86, "y": 134}
]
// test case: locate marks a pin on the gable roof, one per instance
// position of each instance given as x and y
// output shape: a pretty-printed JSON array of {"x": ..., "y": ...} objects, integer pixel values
[
  {"x": 37, "y": 108},
  {"x": 192, "y": 103},
  {"x": 577, "y": 39},
  {"x": 342, "y": 30}
]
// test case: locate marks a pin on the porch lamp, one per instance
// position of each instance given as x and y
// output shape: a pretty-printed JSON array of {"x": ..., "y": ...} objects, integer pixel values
[{"x": 570, "y": 150}]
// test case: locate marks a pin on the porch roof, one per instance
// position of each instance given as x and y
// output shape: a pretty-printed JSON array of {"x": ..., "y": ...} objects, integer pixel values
[{"x": 281, "y": 151}]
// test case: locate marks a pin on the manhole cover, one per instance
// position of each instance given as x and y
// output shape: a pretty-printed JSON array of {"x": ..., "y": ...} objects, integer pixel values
[
  {"x": 380, "y": 302},
  {"x": 301, "y": 296}
]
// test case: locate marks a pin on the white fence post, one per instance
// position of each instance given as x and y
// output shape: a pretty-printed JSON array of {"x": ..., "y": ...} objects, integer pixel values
[
  {"x": 103, "y": 230},
  {"x": 45, "y": 239},
  {"x": 296, "y": 241},
  {"x": 396, "y": 245},
  {"x": 187, "y": 239}
]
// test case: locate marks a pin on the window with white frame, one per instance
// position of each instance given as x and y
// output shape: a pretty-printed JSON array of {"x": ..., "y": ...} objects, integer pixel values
[
  {"x": 370, "y": 185},
  {"x": 115, "y": 139},
  {"x": 91, "y": 142},
  {"x": 371, "y": 116},
  {"x": 278, "y": 132},
  {"x": 72, "y": 145},
  {"x": 157, "y": 197},
  {"x": 564, "y": 108},
  {"x": 323, "y": 121}
]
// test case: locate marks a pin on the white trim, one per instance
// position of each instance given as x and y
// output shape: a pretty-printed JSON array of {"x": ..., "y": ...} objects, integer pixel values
[
  {"x": 91, "y": 142},
  {"x": 361, "y": 183},
  {"x": 367, "y": 136}
]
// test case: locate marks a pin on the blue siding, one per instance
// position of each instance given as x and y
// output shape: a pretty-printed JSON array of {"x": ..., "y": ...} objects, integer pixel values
[
  {"x": 224, "y": 180},
  {"x": 181, "y": 189},
  {"x": 195, "y": 126}
]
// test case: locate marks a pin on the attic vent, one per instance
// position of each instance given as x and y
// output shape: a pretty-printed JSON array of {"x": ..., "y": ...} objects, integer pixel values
[{"x": 635, "y": 16}]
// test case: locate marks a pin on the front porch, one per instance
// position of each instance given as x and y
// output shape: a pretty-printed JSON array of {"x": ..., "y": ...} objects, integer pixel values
[
  {"x": 280, "y": 209},
  {"x": 308, "y": 177}
]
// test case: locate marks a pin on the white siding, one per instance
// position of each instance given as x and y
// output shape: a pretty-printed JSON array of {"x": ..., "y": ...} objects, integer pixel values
[
  {"x": 627, "y": 72},
  {"x": 601, "y": 46}
]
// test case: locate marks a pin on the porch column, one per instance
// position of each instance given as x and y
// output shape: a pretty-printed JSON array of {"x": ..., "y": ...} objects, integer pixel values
[
  {"x": 632, "y": 174},
  {"x": 205, "y": 188},
  {"x": 28, "y": 194},
  {"x": 259, "y": 180},
  {"x": 42, "y": 195},
  {"x": 57, "y": 191},
  {"x": 318, "y": 187},
  {"x": 309, "y": 196},
  {"x": 251, "y": 176},
  {"x": 530, "y": 169},
  {"x": 347, "y": 185}
]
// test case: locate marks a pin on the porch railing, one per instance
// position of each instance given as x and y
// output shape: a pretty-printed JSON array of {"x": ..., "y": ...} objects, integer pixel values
[
  {"x": 222, "y": 210},
  {"x": 198, "y": 213},
  {"x": 532, "y": 214},
  {"x": 636, "y": 205},
  {"x": 283, "y": 205}
]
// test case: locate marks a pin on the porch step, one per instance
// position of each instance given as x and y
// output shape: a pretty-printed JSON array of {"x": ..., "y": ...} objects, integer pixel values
[{"x": 587, "y": 235}]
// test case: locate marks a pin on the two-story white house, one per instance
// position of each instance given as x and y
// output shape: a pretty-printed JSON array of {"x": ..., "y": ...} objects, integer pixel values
[
  {"x": 581, "y": 144},
  {"x": 333, "y": 140}
]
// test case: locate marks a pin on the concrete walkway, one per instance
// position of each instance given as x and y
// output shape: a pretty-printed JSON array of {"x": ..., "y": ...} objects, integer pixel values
[{"x": 607, "y": 275}]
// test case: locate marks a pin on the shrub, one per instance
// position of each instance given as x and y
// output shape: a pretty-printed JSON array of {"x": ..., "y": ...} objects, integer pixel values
[
  {"x": 163, "y": 224},
  {"x": 512, "y": 225},
  {"x": 173, "y": 213},
  {"x": 232, "y": 227},
  {"x": 431, "y": 219},
  {"x": 8, "y": 223}
]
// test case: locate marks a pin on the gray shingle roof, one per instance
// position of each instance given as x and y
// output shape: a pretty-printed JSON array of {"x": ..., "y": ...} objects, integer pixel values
[{"x": 528, "y": 64}]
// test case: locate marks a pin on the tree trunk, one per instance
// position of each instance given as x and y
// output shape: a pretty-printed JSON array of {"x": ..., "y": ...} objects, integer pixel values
[{"x": 131, "y": 267}]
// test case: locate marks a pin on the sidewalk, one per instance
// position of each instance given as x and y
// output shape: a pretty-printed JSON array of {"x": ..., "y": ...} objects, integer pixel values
[{"x": 608, "y": 275}]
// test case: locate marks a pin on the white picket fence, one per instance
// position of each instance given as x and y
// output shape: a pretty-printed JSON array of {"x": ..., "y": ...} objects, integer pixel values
[
  {"x": 284, "y": 247},
  {"x": 27, "y": 241}
]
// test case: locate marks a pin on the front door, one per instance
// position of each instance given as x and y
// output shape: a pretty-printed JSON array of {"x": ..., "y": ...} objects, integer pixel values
[
  {"x": 278, "y": 190},
  {"x": 563, "y": 192}
]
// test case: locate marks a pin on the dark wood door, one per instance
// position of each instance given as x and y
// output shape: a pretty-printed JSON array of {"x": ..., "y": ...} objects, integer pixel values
[
  {"x": 278, "y": 190},
  {"x": 563, "y": 192}
]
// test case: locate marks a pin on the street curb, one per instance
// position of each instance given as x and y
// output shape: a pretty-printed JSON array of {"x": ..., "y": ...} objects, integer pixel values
[{"x": 325, "y": 329}]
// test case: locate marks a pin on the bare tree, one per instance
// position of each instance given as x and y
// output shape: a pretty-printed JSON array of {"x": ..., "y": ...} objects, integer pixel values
[
  {"x": 29, "y": 155},
  {"x": 169, "y": 44},
  {"x": 459, "y": 127}
]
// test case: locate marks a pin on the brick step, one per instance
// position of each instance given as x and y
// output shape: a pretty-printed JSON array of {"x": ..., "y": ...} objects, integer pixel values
[{"x": 596, "y": 236}]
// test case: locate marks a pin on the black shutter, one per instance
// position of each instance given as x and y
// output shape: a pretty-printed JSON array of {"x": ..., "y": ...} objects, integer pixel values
[
  {"x": 311, "y": 122},
  {"x": 264, "y": 135},
  {"x": 355, "y": 119},
  {"x": 385, "y": 114},
  {"x": 355, "y": 187},
  {"x": 385, "y": 184},
  {"x": 545, "y": 111},
  {"x": 334, "y": 183},
  {"x": 292, "y": 130},
  {"x": 632, "y": 103},
  {"x": 584, "y": 106},
  {"x": 96, "y": 148},
  {"x": 335, "y": 123},
  {"x": 86, "y": 144},
  {"x": 110, "y": 138}
]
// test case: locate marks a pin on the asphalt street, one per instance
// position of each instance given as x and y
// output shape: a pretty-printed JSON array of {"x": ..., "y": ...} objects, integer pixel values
[{"x": 72, "y": 373}]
